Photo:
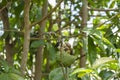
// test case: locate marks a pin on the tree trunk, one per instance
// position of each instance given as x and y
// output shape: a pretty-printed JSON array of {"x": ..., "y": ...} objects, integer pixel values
[
  {"x": 39, "y": 55},
  {"x": 26, "y": 43},
  {"x": 84, "y": 15},
  {"x": 8, "y": 46}
]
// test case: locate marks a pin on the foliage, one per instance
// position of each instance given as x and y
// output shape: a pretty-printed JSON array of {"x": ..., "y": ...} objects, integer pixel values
[
  {"x": 8, "y": 72},
  {"x": 107, "y": 71},
  {"x": 100, "y": 40},
  {"x": 58, "y": 74}
]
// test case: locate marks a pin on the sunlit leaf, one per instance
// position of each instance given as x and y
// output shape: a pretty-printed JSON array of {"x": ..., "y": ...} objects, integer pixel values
[
  {"x": 106, "y": 41},
  {"x": 102, "y": 28},
  {"x": 112, "y": 4},
  {"x": 117, "y": 50},
  {"x": 55, "y": 27},
  {"x": 81, "y": 72},
  {"x": 103, "y": 60},
  {"x": 113, "y": 65},
  {"x": 118, "y": 15},
  {"x": 65, "y": 33}
]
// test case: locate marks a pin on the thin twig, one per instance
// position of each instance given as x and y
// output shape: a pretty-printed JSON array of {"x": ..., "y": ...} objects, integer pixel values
[
  {"x": 108, "y": 20},
  {"x": 33, "y": 24},
  {"x": 95, "y": 9},
  {"x": 6, "y": 30},
  {"x": 64, "y": 74}
]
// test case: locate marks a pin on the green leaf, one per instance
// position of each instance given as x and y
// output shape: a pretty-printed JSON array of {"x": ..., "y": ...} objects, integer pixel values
[
  {"x": 15, "y": 71},
  {"x": 105, "y": 75},
  {"x": 55, "y": 27},
  {"x": 4, "y": 76},
  {"x": 56, "y": 74},
  {"x": 1, "y": 45},
  {"x": 81, "y": 72},
  {"x": 10, "y": 76},
  {"x": 18, "y": 9},
  {"x": 65, "y": 33},
  {"x": 108, "y": 14},
  {"x": 92, "y": 52},
  {"x": 4, "y": 65},
  {"x": 118, "y": 4},
  {"x": 107, "y": 42},
  {"x": 3, "y": 3},
  {"x": 8, "y": 69},
  {"x": 51, "y": 50},
  {"x": 76, "y": 31},
  {"x": 102, "y": 61},
  {"x": 99, "y": 42},
  {"x": 15, "y": 77},
  {"x": 113, "y": 66},
  {"x": 91, "y": 2},
  {"x": 36, "y": 44},
  {"x": 117, "y": 50},
  {"x": 112, "y": 4},
  {"x": 102, "y": 28}
]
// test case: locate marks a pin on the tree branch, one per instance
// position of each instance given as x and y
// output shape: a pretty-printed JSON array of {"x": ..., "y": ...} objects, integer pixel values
[
  {"x": 82, "y": 62},
  {"x": 11, "y": 30},
  {"x": 38, "y": 22},
  {"x": 108, "y": 20},
  {"x": 24, "y": 55},
  {"x": 6, "y": 6}
]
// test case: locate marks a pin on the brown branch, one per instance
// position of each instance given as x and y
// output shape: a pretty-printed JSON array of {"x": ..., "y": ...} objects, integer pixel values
[
  {"x": 6, "y": 6},
  {"x": 40, "y": 50},
  {"x": 84, "y": 13},
  {"x": 64, "y": 27},
  {"x": 95, "y": 9},
  {"x": 63, "y": 37},
  {"x": 24, "y": 55},
  {"x": 5, "y": 30},
  {"x": 8, "y": 46},
  {"x": 44, "y": 18},
  {"x": 97, "y": 15}
]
